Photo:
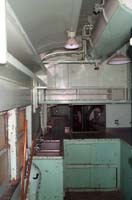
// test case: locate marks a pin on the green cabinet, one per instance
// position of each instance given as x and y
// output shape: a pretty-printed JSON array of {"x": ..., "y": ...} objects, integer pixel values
[{"x": 51, "y": 182}]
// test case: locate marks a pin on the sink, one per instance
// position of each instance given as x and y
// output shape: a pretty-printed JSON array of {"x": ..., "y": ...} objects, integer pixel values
[
  {"x": 50, "y": 144},
  {"x": 49, "y": 148}
]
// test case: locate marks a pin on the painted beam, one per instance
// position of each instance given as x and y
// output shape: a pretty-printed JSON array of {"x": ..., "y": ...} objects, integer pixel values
[
  {"x": 12, "y": 140},
  {"x": 13, "y": 95},
  {"x": 3, "y": 42},
  {"x": 29, "y": 124},
  {"x": 21, "y": 67},
  {"x": 87, "y": 102}
]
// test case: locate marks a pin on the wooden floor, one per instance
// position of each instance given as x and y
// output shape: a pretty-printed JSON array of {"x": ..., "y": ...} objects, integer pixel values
[{"x": 93, "y": 196}]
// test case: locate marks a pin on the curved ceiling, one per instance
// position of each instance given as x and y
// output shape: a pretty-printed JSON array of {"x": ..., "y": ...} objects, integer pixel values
[{"x": 46, "y": 21}]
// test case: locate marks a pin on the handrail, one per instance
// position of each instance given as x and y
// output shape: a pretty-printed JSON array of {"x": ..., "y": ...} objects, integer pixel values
[
  {"x": 24, "y": 162},
  {"x": 26, "y": 166},
  {"x": 29, "y": 168}
]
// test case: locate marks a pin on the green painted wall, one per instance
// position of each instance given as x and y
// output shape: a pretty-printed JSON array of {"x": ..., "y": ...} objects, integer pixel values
[
  {"x": 126, "y": 171},
  {"x": 92, "y": 164},
  {"x": 51, "y": 185}
]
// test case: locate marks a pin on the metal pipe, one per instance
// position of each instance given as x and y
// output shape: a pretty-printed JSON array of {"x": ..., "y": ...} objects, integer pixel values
[
  {"x": 72, "y": 62},
  {"x": 29, "y": 169},
  {"x": 40, "y": 87},
  {"x": 58, "y": 53},
  {"x": 29, "y": 166},
  {"x": 100, "y": 8}
]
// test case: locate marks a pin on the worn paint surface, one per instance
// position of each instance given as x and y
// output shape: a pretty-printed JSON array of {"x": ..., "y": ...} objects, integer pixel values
[
  {"x": 126, "y": 170},
  {"x": 89, "y": 165},
  {"x": 84, "y": 75},
  {"x": 13, "y": 95},
  {"x": 92, "y": 164},
  {"x": 34, "y": 183},
  {"x": 118, "y": 115},
  {"x": 51, "y": 186}
]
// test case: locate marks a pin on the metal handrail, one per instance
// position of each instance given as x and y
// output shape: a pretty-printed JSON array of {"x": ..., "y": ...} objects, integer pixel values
[{"x": 29, "y": 168}]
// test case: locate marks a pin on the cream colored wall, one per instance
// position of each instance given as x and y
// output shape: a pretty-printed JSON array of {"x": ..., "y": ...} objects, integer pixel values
[{"x": 75, "y": 75}]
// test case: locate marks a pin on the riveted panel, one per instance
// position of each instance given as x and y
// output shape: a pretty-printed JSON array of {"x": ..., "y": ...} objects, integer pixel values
[
  {"x": 91, "y": 164},
  {"x": 51, "y": 185},
  {"x": 90, "y": 177}
]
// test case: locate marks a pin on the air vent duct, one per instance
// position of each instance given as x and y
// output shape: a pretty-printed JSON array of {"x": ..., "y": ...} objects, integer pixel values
[{"x": 110, "y": 35}]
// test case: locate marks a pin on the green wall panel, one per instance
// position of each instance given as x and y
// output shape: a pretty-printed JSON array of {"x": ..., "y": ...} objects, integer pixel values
[
  {"x": 92, "y": 151},
  {"x": 51, "y": 185},
  {"x": 92, "y": 164},
  {"x": 92, "y": 177},
  {"x": 126, "y": 171}
]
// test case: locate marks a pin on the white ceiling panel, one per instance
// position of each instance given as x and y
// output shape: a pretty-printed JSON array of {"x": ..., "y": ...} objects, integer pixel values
[{"x": 46, "y": 21}]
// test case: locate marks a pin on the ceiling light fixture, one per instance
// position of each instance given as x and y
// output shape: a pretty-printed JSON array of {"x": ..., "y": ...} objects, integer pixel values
[
  {"x": 130, "y": 41},
  {"x": 71, "y": 42},
  {"x": 119, "y": 59}
]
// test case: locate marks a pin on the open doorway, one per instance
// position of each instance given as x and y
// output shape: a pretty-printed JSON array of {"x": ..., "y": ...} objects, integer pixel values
[
  {"x": 86, "y": 118},
  {"x": 77, "y": 121}
]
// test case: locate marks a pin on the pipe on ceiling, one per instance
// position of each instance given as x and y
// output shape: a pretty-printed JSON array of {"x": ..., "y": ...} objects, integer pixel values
[
  {"x": 72, "y": 62},
  {"x": 60, "y": 53},
  {"x": 109, "y": 37},
  {"x": 44, "y": 57}
]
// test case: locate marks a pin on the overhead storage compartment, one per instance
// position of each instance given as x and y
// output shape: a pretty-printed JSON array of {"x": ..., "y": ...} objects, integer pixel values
[{"x": 110, "y": 35}]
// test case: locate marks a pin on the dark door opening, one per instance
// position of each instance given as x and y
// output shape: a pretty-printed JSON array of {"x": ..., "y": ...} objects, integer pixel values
[
  {"x": 82, "y": 121},
  {"x": 86, "y": 118}
]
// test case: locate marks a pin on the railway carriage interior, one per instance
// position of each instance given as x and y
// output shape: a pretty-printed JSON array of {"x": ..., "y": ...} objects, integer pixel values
[{"x": 66, "y": 100}]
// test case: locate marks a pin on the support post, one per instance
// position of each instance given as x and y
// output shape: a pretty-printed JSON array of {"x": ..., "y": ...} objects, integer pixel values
[
  {"x": 12, "y": 140},
  {"x": 45, "y": 116},
  {"x": 29, "y": 125},
  {"x": 35, "y": 96},
  {"x": 42, "y": 117}
]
